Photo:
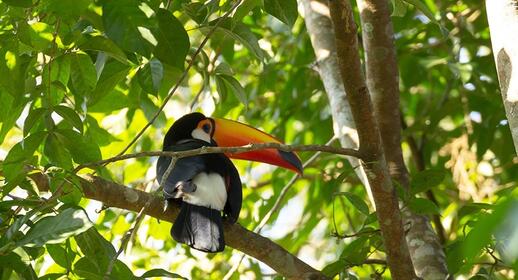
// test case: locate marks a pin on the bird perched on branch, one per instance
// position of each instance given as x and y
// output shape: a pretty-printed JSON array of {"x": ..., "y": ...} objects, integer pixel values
[{"x": 208, "y": 185}]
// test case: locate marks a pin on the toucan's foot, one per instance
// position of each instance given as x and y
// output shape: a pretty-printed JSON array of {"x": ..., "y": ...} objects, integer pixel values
[{"x": 184, "y": 187}]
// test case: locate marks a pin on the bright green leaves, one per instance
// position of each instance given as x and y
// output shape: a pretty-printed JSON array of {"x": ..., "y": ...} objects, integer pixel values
[
  {"x": 98, "y": 253},
  {"x": 284, "y": 10},
  {"x": 173, "y": 42},
  {"x": 13, "y": 262},
  {"x": 239, "y": 32},
  {"x": 56, "y": 229},
  {"x": 127, "y": 25},
  {"x": 100, "y": 43},
  {"x": 356, "y": 201},
  {"x": 150, "y": 76},
  {"x": 83, "y": 75},
  {"x": 19, "y": 155},
  {"x": 225, "y": 83},
  {"x": 66, "y": 8}
]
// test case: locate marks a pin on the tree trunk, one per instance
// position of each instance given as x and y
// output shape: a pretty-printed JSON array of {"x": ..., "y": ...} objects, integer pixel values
[
  {"x": 502, "y": 16},
  {"x": 382, "y": 76},
  {"x": 425, "y": 250}
]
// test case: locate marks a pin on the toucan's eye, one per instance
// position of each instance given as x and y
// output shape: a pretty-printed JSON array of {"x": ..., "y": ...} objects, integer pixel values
[{"x": 206, "y": 128}]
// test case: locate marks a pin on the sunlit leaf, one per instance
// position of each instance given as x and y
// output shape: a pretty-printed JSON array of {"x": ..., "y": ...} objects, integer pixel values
[
  {"x": 173, "y": 41},
  {"x": 284, "y": 10},
  {"x": 56, "y": 229}
]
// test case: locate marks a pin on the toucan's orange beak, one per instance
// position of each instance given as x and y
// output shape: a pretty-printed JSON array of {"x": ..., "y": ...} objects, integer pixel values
[{"x": 229, "y": 133}]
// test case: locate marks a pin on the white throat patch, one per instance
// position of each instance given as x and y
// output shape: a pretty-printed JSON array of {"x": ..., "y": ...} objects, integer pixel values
[{"x": 201, "y": 135}]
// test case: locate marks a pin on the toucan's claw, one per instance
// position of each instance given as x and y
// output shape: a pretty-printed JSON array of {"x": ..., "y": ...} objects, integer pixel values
[{"x": 184, "y": 187}]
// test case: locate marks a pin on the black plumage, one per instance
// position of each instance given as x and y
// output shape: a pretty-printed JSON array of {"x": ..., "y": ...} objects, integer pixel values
[{"x": 197, "y": 225}]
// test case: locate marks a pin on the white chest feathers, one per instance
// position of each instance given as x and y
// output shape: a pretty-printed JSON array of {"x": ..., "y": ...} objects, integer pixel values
[{"x": 210, "y": 191}]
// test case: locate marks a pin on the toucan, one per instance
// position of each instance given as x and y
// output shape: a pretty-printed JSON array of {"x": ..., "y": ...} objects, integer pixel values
[{"x": 208, "y": 186}]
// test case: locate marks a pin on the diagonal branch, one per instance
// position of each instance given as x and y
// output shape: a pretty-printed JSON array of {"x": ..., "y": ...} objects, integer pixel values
[{"x": 114, "y": 195}]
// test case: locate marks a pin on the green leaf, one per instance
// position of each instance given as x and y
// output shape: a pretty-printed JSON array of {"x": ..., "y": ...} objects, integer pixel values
[
  {"x": 34, "y": 117},
  {"x": 60, "y": 255},
  {"x": 232, "y": 84},
  {"x": 13, "y": 261},
  {"x": 399, "y": 8},
  {"x": 357, "y": 202},
  {"x": 221, "y": 87},
  {"x": 283, "y": 10},
  {"x": 14, "y": 163},
  {"x": 87, "y": 268},
  {"x": 103, "y": 44},
  {"x": 173, "y": 41},
  {"x": 239, "y": 32},
  {"x": 113, "y": 73},
  {"x": 150, "y": 76},
  {"x": 10, "y": 113},
  {"x": 70, "y": 116},
  {"x": 56, "y": 229},
  {"x": 332, "y": 269},
  {"x": 484, "y": 228},
  {"x": 357, "y": 251},
  {"x": 19, "y": 3},
  {"x": 426, "y": 180},
  {"x": 224, "y": 69},
  {"x": 56, "y": 151},
  {"x": 92, "y": 244},
  {"x": 423, "y": 206},
  {"x": 81, "y": 149},
  {"x": 125, "y": 24},
  {"x": 65, "y": 7},
  {"x": 158, "y": 272},
  {"x": 83, "y": 74},
  {"x": 245, "y": 8}
]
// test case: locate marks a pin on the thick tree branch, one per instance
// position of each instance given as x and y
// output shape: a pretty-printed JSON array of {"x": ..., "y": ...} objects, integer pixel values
[
  {"x": 383, "y": 83},
  {"x": 114, "y": 195},
  {"x": 389, "y": 216},
  {"x": 229, "y": 150}
]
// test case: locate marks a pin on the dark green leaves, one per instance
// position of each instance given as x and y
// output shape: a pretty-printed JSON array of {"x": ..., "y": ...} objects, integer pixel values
[
  {"x": 173, "y": 41},
  {"x": 426, "y": 180},
  {"x": 356, "y": 201},
  {"x": 56, "y": 229},
  {"x": 98, "y": 255},
  {"x": 284, "y": 10},
  {"x": 160, "y": 273},
  {"x": 100, "y": 43},
  {"x": 83, "y": 75},
  {"x": 126, "y": 24},
  {"x": 239, "y": 32},
  {"x": 423, "y": 206}
]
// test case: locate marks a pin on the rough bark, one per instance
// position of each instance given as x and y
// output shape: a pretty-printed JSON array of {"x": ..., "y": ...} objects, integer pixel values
[
  {"x": 502, "y": 16},
  {"x": 389, "y": 216},
  {"x": 383, "y": 83},
  {"x": 114, "y": 195},
  {"x": 320, "y": 30}
]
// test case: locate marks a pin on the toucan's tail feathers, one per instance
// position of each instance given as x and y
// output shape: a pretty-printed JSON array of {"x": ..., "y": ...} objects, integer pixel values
[{"x": 199, "y": 227}]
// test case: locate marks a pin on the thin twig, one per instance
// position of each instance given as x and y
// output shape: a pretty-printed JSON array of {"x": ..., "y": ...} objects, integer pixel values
[
  {"x": 227, "y": 150},
  {"x": 184, "y": 75}
]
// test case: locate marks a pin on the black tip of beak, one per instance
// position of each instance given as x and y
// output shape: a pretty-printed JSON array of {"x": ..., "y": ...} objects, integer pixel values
[{"x": 292, "y": 159}]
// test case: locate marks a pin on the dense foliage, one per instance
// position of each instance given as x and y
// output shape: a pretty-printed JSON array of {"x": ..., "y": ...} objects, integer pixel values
[{"x": 79, "y": 79}]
